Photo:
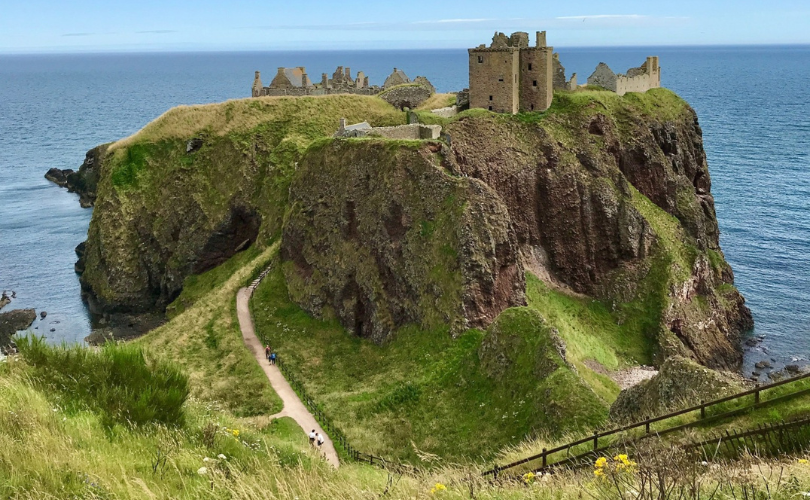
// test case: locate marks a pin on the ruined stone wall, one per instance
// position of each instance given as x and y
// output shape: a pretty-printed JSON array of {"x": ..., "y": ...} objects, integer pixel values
[
  {"x": 603, "y": 77},
  {"x": 641, "y": 79},
  {"x": 407, "y": 132},
  {"x": 536, "y": 78},
  {"x": 494, "y": 79}
]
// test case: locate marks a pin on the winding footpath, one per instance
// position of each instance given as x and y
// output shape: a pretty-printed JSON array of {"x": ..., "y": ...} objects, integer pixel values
[{"x": 293, "y": 407}]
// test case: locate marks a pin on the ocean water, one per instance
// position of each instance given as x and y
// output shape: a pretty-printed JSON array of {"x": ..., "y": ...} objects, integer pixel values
[{"x": 753, "y": 104}]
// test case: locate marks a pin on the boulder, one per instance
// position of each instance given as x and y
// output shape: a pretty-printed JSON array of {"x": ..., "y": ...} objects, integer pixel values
[
  {"x": 680, "y": 383},
  {"x": 13, "y": 321}
]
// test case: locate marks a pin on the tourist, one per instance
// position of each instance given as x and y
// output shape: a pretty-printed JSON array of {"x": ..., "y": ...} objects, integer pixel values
[
  {"x": 273, "y": 358},
  {"x": 267, "y": 352},
  {"x": 312, "y": 436},
  {"x": 320, "y": 440}
]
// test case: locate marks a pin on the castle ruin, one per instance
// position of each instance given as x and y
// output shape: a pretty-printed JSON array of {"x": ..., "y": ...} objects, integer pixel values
[
  {"x": 641, "y": 79},
  {"x": 296, "y": 82},
  {"x": 510, "y": 76}
]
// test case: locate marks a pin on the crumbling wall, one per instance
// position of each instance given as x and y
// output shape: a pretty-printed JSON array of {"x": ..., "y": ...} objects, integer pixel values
[
  {"x": 406, "y": 96},
  {"x": 603, "y": 77}
]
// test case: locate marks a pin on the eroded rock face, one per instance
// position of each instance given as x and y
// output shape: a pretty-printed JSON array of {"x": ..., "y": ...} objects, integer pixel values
[
  {"x": 381, "y": 238},
  {"x": 573, "y": 201}
]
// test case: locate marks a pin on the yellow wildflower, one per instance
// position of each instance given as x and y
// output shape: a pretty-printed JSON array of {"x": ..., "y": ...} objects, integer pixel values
[
  {"x": 235, "y": 433},
  {"x": 802, "y": 460},
  {"x": 601, "y": 462},
  {"x": 599, "y": 473},
  {"x": 528, "y": 477},
  {"x": 437, "y": 488}
]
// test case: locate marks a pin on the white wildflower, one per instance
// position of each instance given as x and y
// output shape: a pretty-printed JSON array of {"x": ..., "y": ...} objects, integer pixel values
[
  {"x": 206, "y": 459},
  {"x": 222, "y": 457},
  {"x": 202, "y": 471}
]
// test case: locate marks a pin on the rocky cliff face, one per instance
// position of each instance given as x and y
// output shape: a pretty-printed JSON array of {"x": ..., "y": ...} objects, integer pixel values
[
  {"x": 381, "y": 236},
  {"x": 573, "y": 184},
  {"x": 603, "y": 195}
]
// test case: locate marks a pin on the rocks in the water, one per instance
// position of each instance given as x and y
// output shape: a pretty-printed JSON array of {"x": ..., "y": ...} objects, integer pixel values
[
  {"x": 59, "y": 176},
  {"x": 4, "y": 300},
  {"x": 84, "y": 181},
  {"x": 53, "y": 329},
  {"x": 124, "y": 327},
  {"x": 43, "y": 314},
  {"x": 762, "y": 365},
  {"x": 13, "y": 321},
  {"x": 793, "y": 369}
]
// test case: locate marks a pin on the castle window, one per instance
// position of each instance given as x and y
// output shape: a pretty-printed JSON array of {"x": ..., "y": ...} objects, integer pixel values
[
  {"x": 490, "y": 98},
  {"x": 534, "y": 83},
  {"x": 530, "y": 66},
  {"x": 532, "y": 107},
  {"x": 490, "y": 108},
  {"x": 500, "y": 79},
  {"x": 480, "y": 59}
]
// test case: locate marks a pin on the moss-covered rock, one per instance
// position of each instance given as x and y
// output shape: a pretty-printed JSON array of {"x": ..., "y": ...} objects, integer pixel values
[
  {"x": 380, "y": 236},
  {"x": 679, "y": 384},
  {"x": 525, "y": 356}
]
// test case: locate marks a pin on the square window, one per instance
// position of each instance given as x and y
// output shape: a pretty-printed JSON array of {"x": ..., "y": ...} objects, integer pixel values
[
  {"x": 490, "y": 98},
  {"x": 480, "y": 59},
  {"x": 490, "y": 108},
  {"x": 500, "y": 79},
  {"x": 530, "y": 66},
  {"x": 534, "y": 83}
]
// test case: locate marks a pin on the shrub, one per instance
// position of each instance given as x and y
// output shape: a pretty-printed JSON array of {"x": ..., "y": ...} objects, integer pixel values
[{"x": 118, "y": 381}]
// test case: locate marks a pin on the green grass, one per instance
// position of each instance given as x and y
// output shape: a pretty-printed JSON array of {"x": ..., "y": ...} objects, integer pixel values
[
  {"x": 203, "y": 337},
  {"x": 423, "y": 390},
  {"x": 116, "y": 381}
]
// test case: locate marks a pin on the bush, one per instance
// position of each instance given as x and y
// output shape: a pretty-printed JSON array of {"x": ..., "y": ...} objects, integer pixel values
[{"x": 118, "y": 381}]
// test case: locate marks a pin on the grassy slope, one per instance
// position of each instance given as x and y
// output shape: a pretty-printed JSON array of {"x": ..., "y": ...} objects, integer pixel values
[
  {"x": 423, "y": 388},
  {"x": 205, "y": 338}
]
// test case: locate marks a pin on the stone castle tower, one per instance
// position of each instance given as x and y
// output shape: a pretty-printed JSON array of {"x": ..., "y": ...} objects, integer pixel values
[{"x": 509, "y": 76}]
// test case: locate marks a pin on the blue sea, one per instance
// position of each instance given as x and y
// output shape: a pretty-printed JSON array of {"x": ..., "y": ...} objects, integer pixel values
[{"x": 753, "y": 104}]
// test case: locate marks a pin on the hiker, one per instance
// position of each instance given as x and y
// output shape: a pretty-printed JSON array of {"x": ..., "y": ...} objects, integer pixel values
[
  {"x": 312, "y": 437},
  {"x": 273, "y": 358},
  {"x": 320, "y": 440},
  {"x": 267, "y": 352}
]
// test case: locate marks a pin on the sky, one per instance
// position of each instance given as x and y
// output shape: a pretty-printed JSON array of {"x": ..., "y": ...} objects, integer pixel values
[{"x": 43, "y": 26}]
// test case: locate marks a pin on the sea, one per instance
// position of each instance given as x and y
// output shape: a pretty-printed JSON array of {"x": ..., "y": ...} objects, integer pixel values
[{"x": 753, "y": 104}]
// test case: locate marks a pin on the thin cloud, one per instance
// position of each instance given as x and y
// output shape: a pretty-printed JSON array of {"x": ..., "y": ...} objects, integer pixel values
[
  {"x": 155, "y": 32},
  {"x": 79, "y": 34},
  {"x": 454, "y": 21},
  {"x": 616, "y": 17}
]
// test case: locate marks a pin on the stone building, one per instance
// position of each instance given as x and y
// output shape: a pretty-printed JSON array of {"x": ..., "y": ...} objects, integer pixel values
[
  {"x": 296, "y": 82},
  {"x": 641, "y": 79},
  {"x": 509, "y": 76}
]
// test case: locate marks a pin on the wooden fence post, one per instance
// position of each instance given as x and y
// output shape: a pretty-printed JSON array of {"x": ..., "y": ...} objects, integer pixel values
[
  {"x": 702, "y": 409},
  {"x": 756, "y": 394},
  {"x": 595, "y": 440},
  {"x": 544, "y": 458}
]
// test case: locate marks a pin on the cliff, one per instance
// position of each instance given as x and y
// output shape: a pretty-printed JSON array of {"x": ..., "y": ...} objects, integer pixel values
[{"x": 602, "y": 195}]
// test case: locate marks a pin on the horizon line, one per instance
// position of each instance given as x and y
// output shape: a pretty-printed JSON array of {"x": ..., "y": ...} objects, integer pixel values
[{"x": 402, "y": 49}]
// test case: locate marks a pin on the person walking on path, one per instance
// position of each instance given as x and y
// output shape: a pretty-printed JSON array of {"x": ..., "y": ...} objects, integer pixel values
[
  {"x": 267, "y": 352},
  {"x": 273, "y": 358},
  {"x": 312, "y": 437},
  {"x": 320, "y": 441}
]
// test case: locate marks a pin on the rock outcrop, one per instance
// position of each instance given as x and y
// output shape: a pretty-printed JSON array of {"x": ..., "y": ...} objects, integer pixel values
[
  {"x": 680, "y": 383},
  {"x": 83, "y": 182},
  {"x": 397, "y": 241},
  {"x": 13, "y": 321}
]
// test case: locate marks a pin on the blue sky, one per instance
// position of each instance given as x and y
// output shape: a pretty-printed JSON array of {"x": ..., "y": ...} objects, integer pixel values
[{"x": 171, "y": 25}]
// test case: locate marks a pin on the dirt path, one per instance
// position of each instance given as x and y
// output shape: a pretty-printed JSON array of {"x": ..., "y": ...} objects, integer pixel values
[{"x": 293, "y": 407}]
